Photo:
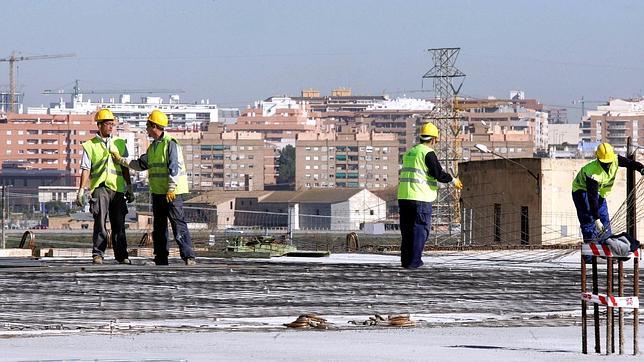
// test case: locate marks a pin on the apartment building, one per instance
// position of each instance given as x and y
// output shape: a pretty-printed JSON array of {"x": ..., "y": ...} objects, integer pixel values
[
  {"x": 222, "y": 160},
  {"x": 614, "y": 123},
  {"x": 515, "y": 127},
  {"x": 278, "y": 119},
  {"x": 354, "y": 160},
  {"x": 340, "y": 100},
  {"x": 181, "y": 115},
  {"x": 43, "y": 142}
]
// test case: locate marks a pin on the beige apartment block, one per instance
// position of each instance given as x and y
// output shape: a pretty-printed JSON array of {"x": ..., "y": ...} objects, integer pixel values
[
  {"x": 614, "y": 123},
  {"x": 338, "y": 160},
  {"x": 403, "y": 123},
  {"x": 503, "y": 204},
  {"x": 222, "y": 160},
  {"x": 279, "y": 120}
]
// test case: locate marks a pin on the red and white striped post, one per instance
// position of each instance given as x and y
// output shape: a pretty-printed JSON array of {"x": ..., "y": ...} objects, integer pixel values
[{"x": 609, "y": 300}]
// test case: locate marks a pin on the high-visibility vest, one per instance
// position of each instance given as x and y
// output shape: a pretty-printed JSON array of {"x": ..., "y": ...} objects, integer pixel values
[
  {"x": 415, "y": 183},
  {"x": 103, "y": 169},
  {"x": 158, "y": 172},
  {"x": 595, "y": 171}
]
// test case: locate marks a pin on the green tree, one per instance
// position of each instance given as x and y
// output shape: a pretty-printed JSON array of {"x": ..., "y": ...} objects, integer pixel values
[{"x": 286, "y": 166}]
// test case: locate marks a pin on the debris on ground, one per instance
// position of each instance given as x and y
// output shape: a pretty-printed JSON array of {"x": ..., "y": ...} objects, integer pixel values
[{"x": 309, "y": 321}]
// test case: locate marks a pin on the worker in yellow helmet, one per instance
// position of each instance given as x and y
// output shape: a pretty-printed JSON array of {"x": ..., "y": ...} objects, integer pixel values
[
  {"x": 592, "y": 185},
  {"x": 417, "y": 189},
  {"x": 168, "y": 185},
  {"x": 109, "y": 186}
]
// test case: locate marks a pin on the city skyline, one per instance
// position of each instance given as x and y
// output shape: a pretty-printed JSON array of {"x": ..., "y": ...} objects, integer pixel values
[{"x": 234, "y": 53}]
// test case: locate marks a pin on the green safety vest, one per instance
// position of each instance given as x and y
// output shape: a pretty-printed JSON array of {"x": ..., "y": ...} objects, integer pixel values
[
  {"x": 595, "y": 171},
  {"x": 158, "y": 172},
  {"x": 414, "y": 181},
  {"x": 103, "y": 168}
]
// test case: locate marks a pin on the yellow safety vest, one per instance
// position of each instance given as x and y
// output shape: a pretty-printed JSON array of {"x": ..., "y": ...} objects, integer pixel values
[
  {"x": 103, "y": 169},
  {"x": 415, "y": 183},
  {"x": 158, "y": 172},
  {"x": 595, "y": 171}
]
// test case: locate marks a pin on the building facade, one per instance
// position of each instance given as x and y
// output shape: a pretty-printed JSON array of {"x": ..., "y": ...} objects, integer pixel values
[
  {"x": 338, "y": 160},
  {"x": 614, "y": 123},
  {"x": 221, "y": 160}
]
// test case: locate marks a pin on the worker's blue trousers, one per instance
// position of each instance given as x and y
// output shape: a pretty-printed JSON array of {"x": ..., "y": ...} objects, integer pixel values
[
  {"x": 162, "y": 211},
  {"x": 415, "y": 221},
  {"x": 586, "y": 219}
]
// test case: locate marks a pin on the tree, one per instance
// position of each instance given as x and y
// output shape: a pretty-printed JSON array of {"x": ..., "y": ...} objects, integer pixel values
[
  {"x": 286, "y": 166},
  {"x": 56, "y": 208}
]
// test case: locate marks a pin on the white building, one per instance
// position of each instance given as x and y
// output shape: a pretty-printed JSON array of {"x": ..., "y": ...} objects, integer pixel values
[
  {"x": 181, "y": 115},
  {"x": 411, "y": 104}
]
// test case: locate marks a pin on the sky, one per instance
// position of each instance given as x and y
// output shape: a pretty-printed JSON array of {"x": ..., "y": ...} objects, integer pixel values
[{"x": 236, "y": 52}]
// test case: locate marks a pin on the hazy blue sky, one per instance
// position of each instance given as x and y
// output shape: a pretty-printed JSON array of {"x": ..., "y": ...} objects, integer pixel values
[{"x": 235, "y": 52}]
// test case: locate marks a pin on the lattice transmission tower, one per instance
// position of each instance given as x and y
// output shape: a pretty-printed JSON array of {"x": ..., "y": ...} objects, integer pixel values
[{"x": 447, "y": 81}]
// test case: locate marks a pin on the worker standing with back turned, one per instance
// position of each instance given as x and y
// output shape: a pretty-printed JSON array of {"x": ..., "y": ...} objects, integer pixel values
[
  {"x": 109, "y": 187},
  {"x": 417, "y": 189},
  {"x": 592, "y": 185},
  {"x": 168, "y": 185}
]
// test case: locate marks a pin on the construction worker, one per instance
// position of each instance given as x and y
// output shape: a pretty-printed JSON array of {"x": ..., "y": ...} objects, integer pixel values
[
  {"x": 168, "y": 185},
  {"x": 109, "y": 186},
  {"x": 592, "y": 185},
  {"x": 417, "y": 189}
]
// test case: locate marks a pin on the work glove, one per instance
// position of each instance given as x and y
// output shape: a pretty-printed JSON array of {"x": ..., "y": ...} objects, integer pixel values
[
  {"x": 457, "y": 183},
  {"x": 129, "y": 194},
  {"x": 599, "y": 226},
  {"x": 170, "y": 196},
  {"x": 116, "y": 156},
  {"x": 80, "y": 198}
]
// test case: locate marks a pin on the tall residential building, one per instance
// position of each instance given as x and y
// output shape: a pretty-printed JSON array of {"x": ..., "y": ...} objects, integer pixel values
[
  {"x": 355, "y": 160},
  {"x": 614, "y": 123},
  {"x": 515, "y": 127},
  {"x": 279, "y": 119},
  {"x": 220, "y": 160}
]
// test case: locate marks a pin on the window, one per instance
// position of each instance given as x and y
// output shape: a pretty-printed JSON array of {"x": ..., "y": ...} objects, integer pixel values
[
  {"x": 525, "y": 226},
  {"x": 497, "y": 222}
]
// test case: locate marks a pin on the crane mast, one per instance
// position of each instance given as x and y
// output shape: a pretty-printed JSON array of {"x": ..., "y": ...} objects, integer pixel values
[{"x": 12, "y": 59}]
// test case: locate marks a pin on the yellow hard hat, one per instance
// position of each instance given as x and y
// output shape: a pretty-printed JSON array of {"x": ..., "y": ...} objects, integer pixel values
[
  {"x": 159, "y": 118},
  {"x": 427, "y": 131},
  {"x": 605, "y": 153},
  {"x": 103, "y": 115}
]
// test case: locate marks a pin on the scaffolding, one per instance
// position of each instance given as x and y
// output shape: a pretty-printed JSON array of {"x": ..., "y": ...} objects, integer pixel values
[{"x": 447, "y": 83}]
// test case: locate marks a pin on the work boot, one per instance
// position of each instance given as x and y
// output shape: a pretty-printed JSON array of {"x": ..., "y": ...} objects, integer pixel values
[
  {"x": 191, "y": 261},
  {"x": 97, "y": 259},
  {"x": 125, "y": 261}
]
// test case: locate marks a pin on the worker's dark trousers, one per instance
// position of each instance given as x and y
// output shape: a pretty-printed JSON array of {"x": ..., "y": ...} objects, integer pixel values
[
  {"x": 586, "y": 219},
  {"x": 415, "y": 220},
  {"x": 164, "y": 210},
  {"x": 103, "y": 204}
]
